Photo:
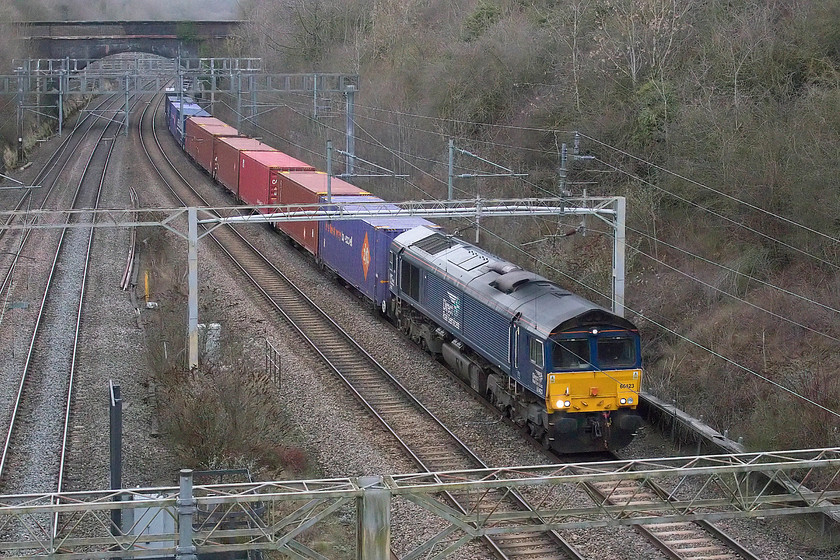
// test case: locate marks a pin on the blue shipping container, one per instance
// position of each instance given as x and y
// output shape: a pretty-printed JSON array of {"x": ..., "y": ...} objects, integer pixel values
[
  {"x": 173, "y": 99},
  {"x": 357, "y": 250},
  {"x": 189, "y": 110}
]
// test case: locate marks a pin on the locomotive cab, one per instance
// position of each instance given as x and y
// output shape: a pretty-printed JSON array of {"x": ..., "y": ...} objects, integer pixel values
[
  {"x": 550, "y": 360},
  {"x": 593, "y": 370},
  {"x": 588, "y": 373}
]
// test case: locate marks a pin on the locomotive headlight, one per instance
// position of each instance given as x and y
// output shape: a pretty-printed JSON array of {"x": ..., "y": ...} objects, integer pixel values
[
  {"x": 567, "y": 404},
  {"x": 622, "y": 400},
  {"x": 559, "y": 404},
  {"x": 630, "y": 400},
  {"x": 594, "y": 331}
]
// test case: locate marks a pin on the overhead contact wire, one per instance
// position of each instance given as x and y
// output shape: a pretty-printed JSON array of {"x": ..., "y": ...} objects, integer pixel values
[{"x": 677, "y": 334}]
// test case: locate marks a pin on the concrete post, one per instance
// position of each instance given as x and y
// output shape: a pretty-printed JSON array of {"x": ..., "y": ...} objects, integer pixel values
[
  {"x": 477, "y": 219},
  {"x": 125, "y": 131},
  {"x": 238, "y": 100},
  {"x": 212, "y": 85},
  {"x": 450, "y": 183},
  {"x": 563, "y": 170},
  {"x": 20, "y": 78},
  {"x": 252, "y": 85},
  {"x": 192, "y": 304},
  {"x": 180, "y": 100},
  {"x": 315, "y": 96},
  {"x": 62, "y": 84},
  {"x": 619, "y": 251},
  {"x": 374, "y": 511},
  {"x": 186, "y": 507},
  {"x": 329, "y": 171},
  {"x": 351, "y": 129}
]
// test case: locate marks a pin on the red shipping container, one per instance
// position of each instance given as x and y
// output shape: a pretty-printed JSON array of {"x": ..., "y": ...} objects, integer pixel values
[
  {"x": 258, "y": 171},
  {"x": 201, "y": 133},
  {"x": 309, "y": 188},
  {"x": 226, "y": 159}
]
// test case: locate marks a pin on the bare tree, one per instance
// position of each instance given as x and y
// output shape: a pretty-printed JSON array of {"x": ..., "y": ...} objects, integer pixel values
[{"x": 637, "y": 37}]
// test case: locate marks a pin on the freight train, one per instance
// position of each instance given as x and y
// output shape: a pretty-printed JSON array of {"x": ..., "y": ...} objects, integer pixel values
[{"x": 557, "y": 364}]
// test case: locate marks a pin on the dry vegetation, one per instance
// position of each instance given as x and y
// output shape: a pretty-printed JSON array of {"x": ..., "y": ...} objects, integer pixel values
[
  {"x": 718, "y": 120},
  {"x": 227, "y": 413}
]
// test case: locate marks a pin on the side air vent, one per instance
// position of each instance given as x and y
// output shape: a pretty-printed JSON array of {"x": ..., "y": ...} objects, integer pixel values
[
  {"x": 510, "y": 282},
  {"x": 434, "y": 244}
]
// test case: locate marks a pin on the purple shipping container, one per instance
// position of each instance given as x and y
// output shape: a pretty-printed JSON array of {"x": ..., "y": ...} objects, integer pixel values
[
  {"x": 306, "y": 188},
  {"x": 357, "y": 250},
  {"x": 189, "y": 110},
  {"x": 172, "y": 99}
]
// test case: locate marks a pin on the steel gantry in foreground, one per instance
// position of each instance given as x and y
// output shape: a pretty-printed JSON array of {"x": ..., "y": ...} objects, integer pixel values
[{"x": 288, "y": 516}]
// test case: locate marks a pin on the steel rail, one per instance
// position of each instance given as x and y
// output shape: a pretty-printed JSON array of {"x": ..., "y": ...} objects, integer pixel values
[
  {"x": 683, "y": 540},
  {"x": 129, "y": 261},
  {"x": 20, "y": 397},
  {"x": 83, "y": 290},
  {"x": 52, "y": 161}
]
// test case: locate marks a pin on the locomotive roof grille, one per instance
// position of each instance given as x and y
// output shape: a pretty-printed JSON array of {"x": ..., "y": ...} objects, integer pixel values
[{"x": 434, "y": 243}]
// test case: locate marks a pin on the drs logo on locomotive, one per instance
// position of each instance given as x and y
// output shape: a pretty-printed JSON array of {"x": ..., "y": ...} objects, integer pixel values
[{"x": 452, "y": 310}]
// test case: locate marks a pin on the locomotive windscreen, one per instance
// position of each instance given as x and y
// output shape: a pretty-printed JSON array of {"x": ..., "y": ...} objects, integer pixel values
[
  {"x": 616, "y": 352},
  {"x": 571, "y": 353}
]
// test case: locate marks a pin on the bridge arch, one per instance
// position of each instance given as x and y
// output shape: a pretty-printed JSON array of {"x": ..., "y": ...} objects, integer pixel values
[{"x": 89, "y": 40}]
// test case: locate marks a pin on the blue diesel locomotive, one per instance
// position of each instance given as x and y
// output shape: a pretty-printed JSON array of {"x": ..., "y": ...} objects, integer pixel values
[{"x": 555, "y": 362}]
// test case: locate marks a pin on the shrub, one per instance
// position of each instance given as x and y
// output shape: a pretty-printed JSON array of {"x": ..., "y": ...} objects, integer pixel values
[
  {"x": 221, "y": 412},
  {"x": 485, "y": 15}
]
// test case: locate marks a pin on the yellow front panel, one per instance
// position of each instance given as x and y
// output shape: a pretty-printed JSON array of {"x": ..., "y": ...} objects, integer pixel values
[{"x": 593, "y": 391}]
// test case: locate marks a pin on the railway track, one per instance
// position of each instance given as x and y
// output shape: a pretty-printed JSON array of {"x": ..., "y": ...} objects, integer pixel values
[
  {"x": 13, "y": 243},
  {"x": 33, "y": 454},
  {"x": 689, "y": 540},
  {"x": 424, "y": 438}
]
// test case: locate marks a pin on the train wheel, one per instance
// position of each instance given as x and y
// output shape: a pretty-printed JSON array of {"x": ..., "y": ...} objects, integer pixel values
[{"x": 545, "y": 441}]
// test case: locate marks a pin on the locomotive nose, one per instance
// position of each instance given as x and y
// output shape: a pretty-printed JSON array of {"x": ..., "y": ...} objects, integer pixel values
[{"x": 566, "y": 425}]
